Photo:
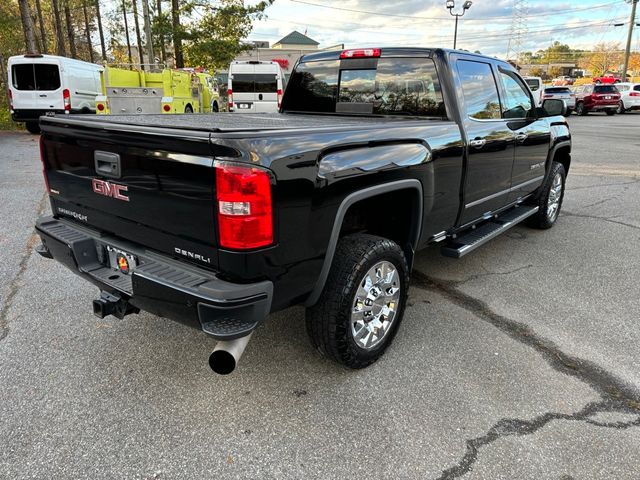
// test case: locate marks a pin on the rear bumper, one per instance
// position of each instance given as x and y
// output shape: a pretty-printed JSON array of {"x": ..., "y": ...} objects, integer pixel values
[
  {"x": 160, "y": 285},
  {"x": 601, "y": 107},
  {"x": 28, "y": 115}
]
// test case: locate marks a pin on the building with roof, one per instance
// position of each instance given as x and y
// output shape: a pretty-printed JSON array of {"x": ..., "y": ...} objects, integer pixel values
[{"x": 296, "y": 41}]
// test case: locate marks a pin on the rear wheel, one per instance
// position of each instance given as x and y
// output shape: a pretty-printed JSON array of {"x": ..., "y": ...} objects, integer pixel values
[
  {"x": 581, "y": 110},
  {"x": 214, "y": 106},
  {"x": 610, "y": 112},
  {"x": 363, "y": 301},
  {"x": 33, "y": 127},
  {"x": 550, "y": 198},
  {"x": 188, "y": 109},
  {"x": 568, "y": 114},
  {"x": 621, "y": 108}
]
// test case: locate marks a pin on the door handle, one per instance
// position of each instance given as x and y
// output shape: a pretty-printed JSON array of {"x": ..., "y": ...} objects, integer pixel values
[
  {"x": 521, "y": 137},
  {"x": 478, "y": 142}
]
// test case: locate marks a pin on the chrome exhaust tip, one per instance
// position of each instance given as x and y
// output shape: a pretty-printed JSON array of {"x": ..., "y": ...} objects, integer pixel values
[{"x": 225, "y": 357}]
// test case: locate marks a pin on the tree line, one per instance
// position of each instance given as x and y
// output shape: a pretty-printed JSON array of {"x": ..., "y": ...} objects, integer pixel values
[{"x": 207, "y": 33}]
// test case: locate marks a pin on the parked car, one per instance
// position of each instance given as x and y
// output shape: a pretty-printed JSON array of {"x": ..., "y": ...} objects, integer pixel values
[
  {"x": 48, "y": 84},
  {"x": 597, "y": 98},
  {"x": 561, "y": 93},
  {"x": 609, "y": 78},
  {"x": 629, "y": 97},
  {"x": 217, "y": 220},
  {"x": 255, "y": 87},
  {"x": 535, "y": 85},
  {"x": 562, "y": 81}
]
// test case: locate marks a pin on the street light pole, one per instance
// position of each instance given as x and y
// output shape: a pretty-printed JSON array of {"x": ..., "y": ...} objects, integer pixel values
[
  {"x": 627, "y": 51},
  {"x": 450, "y": 4}
]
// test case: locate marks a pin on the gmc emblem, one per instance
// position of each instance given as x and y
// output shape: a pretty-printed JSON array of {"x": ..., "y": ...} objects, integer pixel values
[{"x": 109, "y": 189}]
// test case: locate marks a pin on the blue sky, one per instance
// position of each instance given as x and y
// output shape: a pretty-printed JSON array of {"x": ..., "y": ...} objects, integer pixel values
[{"x": 485, "y": 27}]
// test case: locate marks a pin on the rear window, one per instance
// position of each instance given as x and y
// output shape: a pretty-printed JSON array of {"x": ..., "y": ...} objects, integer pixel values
[
  {"x": 254, "y": 83},
  {"x": 605, "y": 89},
  {"x": 636, "y": 88},
  {"x": 35, "y": 77},
  {"x": 557, "y": 90},
  {"x": 534, "y": 84},
  {"x": 388, "y": 86}
]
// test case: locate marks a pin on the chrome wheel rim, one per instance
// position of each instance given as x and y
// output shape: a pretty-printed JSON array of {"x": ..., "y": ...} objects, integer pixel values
[
  {"x": 375, "y": 305},
  {"x": 555, "y": 195}
]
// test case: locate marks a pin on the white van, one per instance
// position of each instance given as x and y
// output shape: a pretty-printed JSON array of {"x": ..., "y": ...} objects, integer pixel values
[
  {"x": 255, "y": 87},
  {"x": 535, "y": 85},
  {"x": 48, "y": 84}
]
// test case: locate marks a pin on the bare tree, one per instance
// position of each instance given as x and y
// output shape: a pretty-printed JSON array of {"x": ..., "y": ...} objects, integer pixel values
[
  {"x": 163, "y": 51},
  {"x": 134, "y": 3},
  {"x": 58, "y": 26},
  {"x": 99, "y": 19},
  {"x": 177, "y": 36},
  {"x": 126, "y": 29},
  {"x": 87, "y": 30},
  {"x": 27, "y": 26},
  {"x": 70, "y": 32},
  {"x": 43, "y": 35}
]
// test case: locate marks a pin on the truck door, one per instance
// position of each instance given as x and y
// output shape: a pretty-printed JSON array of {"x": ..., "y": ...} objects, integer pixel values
[
  {"x": 490, "y": 149},
  {"x": 533, "y": 135}
]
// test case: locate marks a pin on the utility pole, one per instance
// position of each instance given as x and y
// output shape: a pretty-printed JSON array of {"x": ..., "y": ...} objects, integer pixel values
[
  {"x": 627, "y": 52},
  {"x": 147, "y": 30}
]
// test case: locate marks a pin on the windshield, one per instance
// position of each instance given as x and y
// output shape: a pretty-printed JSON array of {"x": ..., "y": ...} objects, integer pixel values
[
  {"x": 385, "y": 86},
  {"x": 557, "y": 90}
]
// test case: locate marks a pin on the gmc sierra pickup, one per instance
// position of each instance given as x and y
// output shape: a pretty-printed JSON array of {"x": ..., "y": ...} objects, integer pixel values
[{"x": 218, "y": 220}]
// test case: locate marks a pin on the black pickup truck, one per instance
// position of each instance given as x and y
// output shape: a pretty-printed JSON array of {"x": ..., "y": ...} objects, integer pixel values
[{"x": 218, "y": 220}]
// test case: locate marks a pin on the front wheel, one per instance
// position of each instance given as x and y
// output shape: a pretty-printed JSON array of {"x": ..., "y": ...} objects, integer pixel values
[
  {"x": 621, "y": 108},
  {"x": 362, "y": 303},
  {"x": 568, "y": 114},
  {"x": 581, "y": 110},
  {"x": 550, "y": 198},
  {"x": 33, "y": 127},
  {"x": 214, "y": 107}
]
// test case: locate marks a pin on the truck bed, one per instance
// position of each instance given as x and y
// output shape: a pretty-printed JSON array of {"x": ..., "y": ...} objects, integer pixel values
[{"x": 229, "y": 122}]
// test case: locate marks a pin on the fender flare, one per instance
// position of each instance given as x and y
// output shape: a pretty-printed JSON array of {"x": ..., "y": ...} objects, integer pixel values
[{"x": 342, "y": 210}]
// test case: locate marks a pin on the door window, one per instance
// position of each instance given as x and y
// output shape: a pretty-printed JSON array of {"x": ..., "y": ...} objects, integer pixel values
[
  {"x": 517, "y": 102},
  {"x": 479, "y": 90}
]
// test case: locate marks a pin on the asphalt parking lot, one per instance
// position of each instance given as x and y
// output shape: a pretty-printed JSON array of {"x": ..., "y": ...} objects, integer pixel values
[{"x": 519, "y": 361}]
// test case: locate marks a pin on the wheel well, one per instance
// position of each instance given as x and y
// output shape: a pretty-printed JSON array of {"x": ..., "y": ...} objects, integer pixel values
[
  {"x": 563, "y": 156},
  {"x": 393, "y": 215}
]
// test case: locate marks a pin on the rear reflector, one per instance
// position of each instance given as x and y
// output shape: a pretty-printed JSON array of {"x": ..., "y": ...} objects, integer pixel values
[
  {"x": 361, "y": 53},
  {"x": 230, "y": 98},
  {"x": 279, "y": 97},
  {"x": 100, "y": 107},
  {"x": 166, "y": 107},
  {"x": 10, "y": 99},
  {"x": 245, "y": 214},
  {"x": 66, "y": 97}
]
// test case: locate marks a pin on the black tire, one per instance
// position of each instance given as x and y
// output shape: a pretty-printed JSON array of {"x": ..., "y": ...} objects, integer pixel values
[
  {"x": 32, "y": 127},
  {"x": 621, "y": 108},
  {"x": 329, "y": 323},
  {"x": 543, "y": 219},
  {"x": 188, "y": 109},
  {"x": 610, "y": 112},
  {"x": 214, "y": 107},
  {"x": 568, "y": 114},
  {"x": 581, "y": 110}
]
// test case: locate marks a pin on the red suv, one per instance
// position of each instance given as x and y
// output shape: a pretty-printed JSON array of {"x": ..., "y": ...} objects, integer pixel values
[
  {"x": 608, "y": 78},
  {"x": 597, "y": 98}
]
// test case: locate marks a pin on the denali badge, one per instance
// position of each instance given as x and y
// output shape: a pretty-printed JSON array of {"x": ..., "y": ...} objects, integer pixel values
[
  {"x": 109, "y": 189},
  {"x": 188, "y": 254}
]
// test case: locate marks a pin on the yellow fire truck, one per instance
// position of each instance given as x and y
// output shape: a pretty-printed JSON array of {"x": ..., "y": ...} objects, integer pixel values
[{"x": 127, "y": 91}]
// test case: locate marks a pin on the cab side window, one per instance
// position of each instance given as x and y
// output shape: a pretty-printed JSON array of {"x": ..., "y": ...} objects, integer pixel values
[
  {"x": 517, "y": 102},
  {"x": 479, "y": 89}
]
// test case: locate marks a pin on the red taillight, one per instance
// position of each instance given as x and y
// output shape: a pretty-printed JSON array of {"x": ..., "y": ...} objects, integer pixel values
[
  {"x": 66, "y": 97},
  {"x": 245, "y": 216},
  {"x": 10, "y": 99},
  {"x": 361, "y": 53},
  {"x": 230, "y": 100},
  {"x": 100, "y": 107},
  {"x": 166, "y": 107},
  {"x": 44, "y": 167},
  {"x": 634, "y": 94},
  {"x": 279, "y": 97}
]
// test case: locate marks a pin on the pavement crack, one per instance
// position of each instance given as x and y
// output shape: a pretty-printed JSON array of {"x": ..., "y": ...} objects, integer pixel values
[
  {"x": 489, "y": 274},
  {"x": 586, "y": 187},
  {"x": 596, "y": 217},
  {"x": 616, "y": 395},
  {"x": 15, "y": 282}
]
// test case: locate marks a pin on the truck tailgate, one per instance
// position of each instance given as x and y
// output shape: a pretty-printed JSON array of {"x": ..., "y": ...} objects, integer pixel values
[{"x": 159, "y": 192}]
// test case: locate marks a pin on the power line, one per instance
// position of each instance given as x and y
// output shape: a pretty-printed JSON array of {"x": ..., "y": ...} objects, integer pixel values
[{"x": 483, "y": 19}]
